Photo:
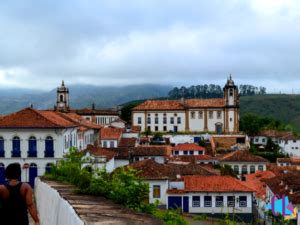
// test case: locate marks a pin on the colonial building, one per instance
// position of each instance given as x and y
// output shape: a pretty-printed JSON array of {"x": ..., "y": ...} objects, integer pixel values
[
  {"x": 98, "y": 116},
  {"x": 195, "y": 115},
  {"x": 38, "y": 138},
  {"x": 211, "y": 195},
  {"x": 243, "y": 162}
]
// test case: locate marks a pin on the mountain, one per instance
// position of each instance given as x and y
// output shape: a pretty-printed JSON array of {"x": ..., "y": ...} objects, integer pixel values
[{"x": 81, "y": 96}]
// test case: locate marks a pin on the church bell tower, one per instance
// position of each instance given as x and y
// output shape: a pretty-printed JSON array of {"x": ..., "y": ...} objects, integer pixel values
[{"x": 62, "y": 103}]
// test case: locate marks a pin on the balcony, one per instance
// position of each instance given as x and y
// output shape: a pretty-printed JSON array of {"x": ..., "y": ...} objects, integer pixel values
[
  {"x": 15, "y": 153},
  {"x": 32, "y": 154},
  {"x": 49, "y": 154}
]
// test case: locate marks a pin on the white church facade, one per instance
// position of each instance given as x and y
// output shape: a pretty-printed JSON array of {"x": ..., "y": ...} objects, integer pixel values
[{"x": 191, "y": 115}]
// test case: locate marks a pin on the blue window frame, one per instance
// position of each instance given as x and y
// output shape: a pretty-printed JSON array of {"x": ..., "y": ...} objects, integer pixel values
[
  {"x": 2, "y": 152},
  {"x": 32, "y": 151},
  {"x": 16, "y": 151},
  {"x": 49, "y": 150}
]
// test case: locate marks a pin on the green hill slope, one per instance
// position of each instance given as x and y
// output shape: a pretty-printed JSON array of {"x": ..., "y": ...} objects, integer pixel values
[{"x": 285, "y": 108}]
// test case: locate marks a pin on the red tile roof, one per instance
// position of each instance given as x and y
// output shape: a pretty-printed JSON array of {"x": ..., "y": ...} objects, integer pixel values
[
  {"x": 188, "y": 147},
  {"x": 149, "y": 169},
  {"x": 242, "y": 156},
  {"x": 101, "y": 152},
  {"x": 128, "y": 142},
  {"x": 256, "y": 182},
  {"x": 275, "y": 133},
  {"x": 213, "y": 184},
  {"x": 284, "y": 183},
  {"x": 179, "y": 104},
  {"x": 32, "y": 118},
  {"x": 111, "y": 133},
  {"x": 152, "y": 150}
]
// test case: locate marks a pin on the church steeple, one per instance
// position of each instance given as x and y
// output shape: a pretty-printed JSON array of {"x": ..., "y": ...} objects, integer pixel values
[
  {"x": 62, "y": 103},
  {"x": 231, "y": 93}
]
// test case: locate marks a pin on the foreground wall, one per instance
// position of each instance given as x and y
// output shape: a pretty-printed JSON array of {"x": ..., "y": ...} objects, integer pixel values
[{"x": 52, "y": 208}]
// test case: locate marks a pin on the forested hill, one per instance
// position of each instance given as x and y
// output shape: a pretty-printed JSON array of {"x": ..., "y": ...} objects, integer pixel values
[{"x": 285, "y": 108}]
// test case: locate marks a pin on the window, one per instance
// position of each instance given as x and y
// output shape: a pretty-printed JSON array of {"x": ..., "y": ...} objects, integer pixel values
[
  {"x": 243, "y": 201},
  {"x": 191, "y": 152},
  {"x": 252, "y": 169},
  {"x": 261, "y": 167},
  {"x": 263, "y": 140},
  {"x": 294, "y": 141},
  {"x": 139, "y": 120},
  {"x": 219, "y": 114},
  {"x": 156, "y": 120},
  {"x": 156, "y": 191},
  {"x": 104, "y": 144},
  {"x": 61, "y": 98},
  {"x": 156, "y": 128},
  {"x": 236, "y": 169},
  {"x": 230, "y": 92},
  {"x": 156, "y": 114},
  {"x": 219, "y": 201},
  {"x": 16, "y": 152},
  {"x": 165, "y": 114},
  {"x": 176, "y": 152},
  {"x": 200, "y": 153},
  {"x": 165, "y": 120},
  {"x": 149, "y": 120},
  {"x": 244, "y": 169},
  {"x": 165, "y": 128},
  {"x": 179, "y": 120},
  {"x": 200, "y": 115},
  {"x": 196, "y": 201},
  {"x": 112, "y": 144},
  {"x": 193, "y": 115},
  {"x": 175, "y": 114},
  {"x": 211, "y": 114},
  {"x": 230, "y": 201},
  {"x": 149, "y": 128},
  {"x": 175, "y": 129},
  {"x": 32, "y": 147},
  {"x": 185, "y": 152},
  {"x": 49, "y": 148},
  {"x": 207, "y": 201},
  {"x": 256, "y": 140},
  {"x": 172, "y": 120},
  {"x": 2, "y": 152}
]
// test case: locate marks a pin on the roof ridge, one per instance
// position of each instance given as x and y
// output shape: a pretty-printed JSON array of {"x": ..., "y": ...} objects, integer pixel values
[{"x": 45, "y": 117}]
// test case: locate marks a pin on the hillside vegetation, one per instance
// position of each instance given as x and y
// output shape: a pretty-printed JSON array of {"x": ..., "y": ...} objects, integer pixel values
[{"x": 283, "y": 107}]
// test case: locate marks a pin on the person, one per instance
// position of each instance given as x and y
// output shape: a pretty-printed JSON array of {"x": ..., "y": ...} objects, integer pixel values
[{"x": 16, "y": 199}]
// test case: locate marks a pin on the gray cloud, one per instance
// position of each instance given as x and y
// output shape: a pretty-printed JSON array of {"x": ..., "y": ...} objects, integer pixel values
[{"x": 171, "y": 42}]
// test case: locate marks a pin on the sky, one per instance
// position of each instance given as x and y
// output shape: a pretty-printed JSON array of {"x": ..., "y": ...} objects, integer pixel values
[{"x": 173, "y": 42}]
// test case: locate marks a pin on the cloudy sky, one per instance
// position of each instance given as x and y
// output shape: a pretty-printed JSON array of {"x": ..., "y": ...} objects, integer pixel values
[{"x": 177, "y": 42}]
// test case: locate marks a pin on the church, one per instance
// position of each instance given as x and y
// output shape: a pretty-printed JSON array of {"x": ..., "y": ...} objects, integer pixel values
[
  {"x": 219, "y": 115},
  {"x": 99, "y": 116}
]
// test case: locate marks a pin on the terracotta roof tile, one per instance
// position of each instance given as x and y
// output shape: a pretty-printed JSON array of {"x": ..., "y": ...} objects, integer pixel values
[
  {"x": 152, "y": 150},
  {"x": 242, "y": 156},
  {"x": 275, "y": 133},
  {"x": 256, "y": 182},
  {"x": 188, "y": 147},
  {"x": 214, "y": 184},
  {"x": 179, "y": 104},
  {"x": 149, "y": 169},
  {"x": 118, "y": 153},
  {"x": 128, "y": 142},
  {"x": 32, "y": 118},
  {"x": 111, "y": 133}
]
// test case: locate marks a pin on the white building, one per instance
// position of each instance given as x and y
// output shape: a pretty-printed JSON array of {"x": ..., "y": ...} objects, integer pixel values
[
  {"x": 243, "y": 162},
  {"x": 290, "y": 145},
  {"x": 188, "y": 149},
  {"x": 276, "y": 136},
  {"x": 211, "y": 195},
  {"x": 195, "y": 115},
  {"x": 36, "y": 139}
]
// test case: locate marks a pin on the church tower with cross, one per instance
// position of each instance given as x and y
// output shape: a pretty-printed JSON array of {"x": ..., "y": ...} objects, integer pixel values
[{"x": 62, "y": 103}]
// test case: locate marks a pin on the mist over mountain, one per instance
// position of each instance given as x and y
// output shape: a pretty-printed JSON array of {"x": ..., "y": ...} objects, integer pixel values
[{"x": 12, "y": 100}]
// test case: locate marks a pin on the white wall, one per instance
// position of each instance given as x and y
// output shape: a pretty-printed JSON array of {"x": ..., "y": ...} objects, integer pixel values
[
  {"x": 158, "y": 159},
  {"x": 108, "y": 143},
  {"x": 163, "y": 190},
  {"x": 52, "y": 208},
  {"x": 291, "y": 147},
  {"x": 248, "y": 164}
]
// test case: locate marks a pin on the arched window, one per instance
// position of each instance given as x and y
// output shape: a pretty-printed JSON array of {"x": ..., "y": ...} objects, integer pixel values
[
  {"x": 48, "y": 167},
  {"x": 193, "y": 115},
  {"x": 32, "y": 152},
  {"x": 2, "y": 152},
  {"x": 16, "y": 151},
  {"x": 261, "y": 167},
  {"x": 49, "y": 148},
  {"x": 230, "y": 92},
  {"x": 61, "y": 98},
  {"x": 244, "y": 169},
  {"x": 252, "y": 169}
]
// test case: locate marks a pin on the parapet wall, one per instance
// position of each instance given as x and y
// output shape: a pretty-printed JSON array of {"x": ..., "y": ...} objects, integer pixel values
[
  {"x": 59, "y": 204},
  {"x": 52, "y": 208}
]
